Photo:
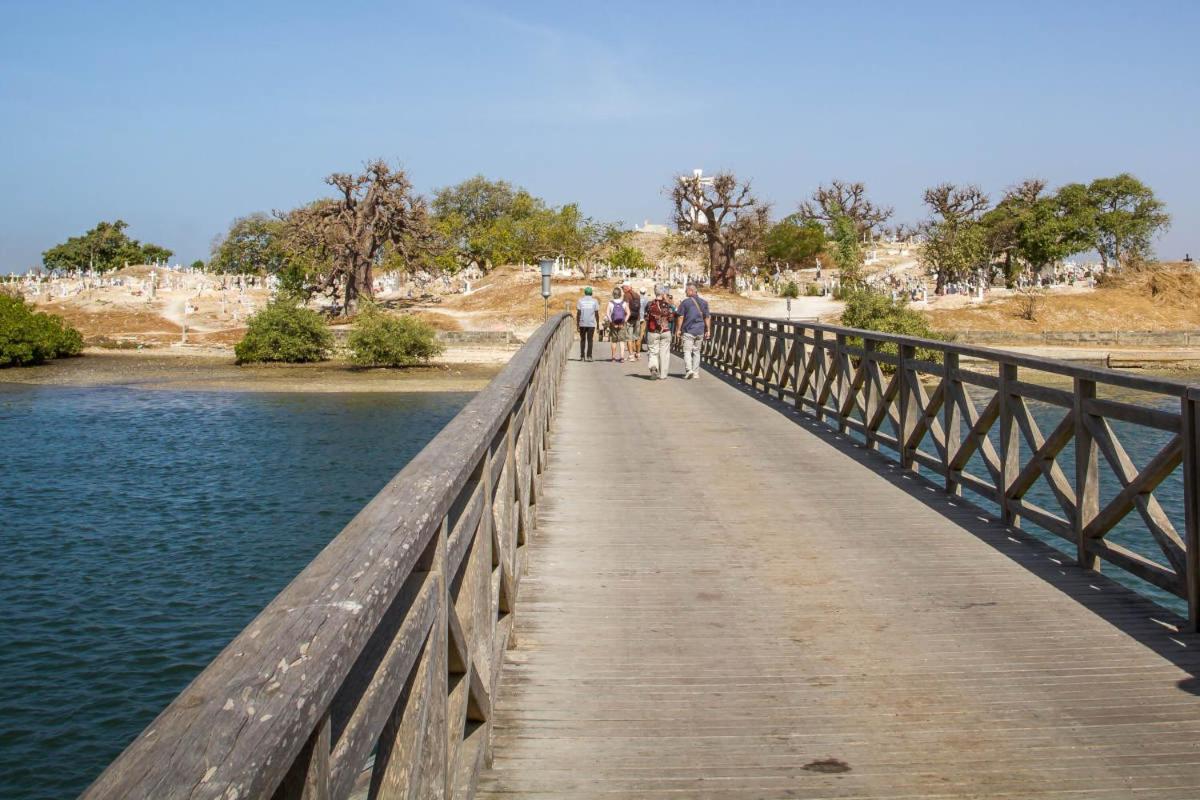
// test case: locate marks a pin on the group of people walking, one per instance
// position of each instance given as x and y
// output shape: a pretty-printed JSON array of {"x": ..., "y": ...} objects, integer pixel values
[{"x": 631, "y": 318}]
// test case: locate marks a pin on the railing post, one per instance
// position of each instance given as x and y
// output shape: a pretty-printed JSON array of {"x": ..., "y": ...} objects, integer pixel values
[
  {"x": 905, "y": 353},
  {"x": 762, "y": 351},
  {"x": 840, "y": 360},
  {"x": 1087, "y": 474},
  {"x": 951, "y": 420},
  {"x": 818, "y": 377},
  {"x": 1191, "y": 502},
  {"x": 801, "y": 359},
  {"x": 1010, "y": 446},
  {"x": 871, "y": 394}
]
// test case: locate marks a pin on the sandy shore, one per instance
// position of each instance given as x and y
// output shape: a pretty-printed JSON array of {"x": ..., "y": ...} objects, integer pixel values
[
  {"x": 1185, "y": 361},
  {"x": 214, "y": 370}
]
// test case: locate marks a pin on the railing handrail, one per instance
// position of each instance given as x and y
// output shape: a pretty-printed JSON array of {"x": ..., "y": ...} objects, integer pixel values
[
  {"x": 240, "y": 726},
  {"x": 837, "y": 374},
  {"x": 1099, "y": 374}
]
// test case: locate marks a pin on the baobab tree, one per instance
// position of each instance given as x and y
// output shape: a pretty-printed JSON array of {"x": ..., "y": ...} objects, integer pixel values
[
  {"x": 954, "y": 240},
  {"x": 844, "y": 199},
  {"x": 725, "y": 214},
  {"x": 348, "y": 233}
]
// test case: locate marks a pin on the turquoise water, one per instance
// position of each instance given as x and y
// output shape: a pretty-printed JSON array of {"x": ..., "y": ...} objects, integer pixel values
[
  {"x": 141, "y": 530},
  {"x": 1141, "y": 445}
]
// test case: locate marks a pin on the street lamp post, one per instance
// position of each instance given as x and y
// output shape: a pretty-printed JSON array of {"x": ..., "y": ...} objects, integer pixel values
[{"x": 547, "y": 266}]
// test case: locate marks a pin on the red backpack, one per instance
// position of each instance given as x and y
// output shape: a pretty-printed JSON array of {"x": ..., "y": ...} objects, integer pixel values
[{"x": 658, "y": 317}]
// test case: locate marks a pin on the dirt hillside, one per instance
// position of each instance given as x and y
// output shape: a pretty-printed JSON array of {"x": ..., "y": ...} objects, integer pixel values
[{"x": 1164, "y": 297}]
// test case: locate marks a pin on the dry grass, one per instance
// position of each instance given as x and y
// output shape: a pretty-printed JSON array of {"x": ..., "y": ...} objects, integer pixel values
[
  {"x": 1165, "y": 297},
  {"x": 224, "y": 338},
  {"x": 513, "y": 297},
  {"x": 115, "y": 321},
  {"x": 441, "y": 322}
]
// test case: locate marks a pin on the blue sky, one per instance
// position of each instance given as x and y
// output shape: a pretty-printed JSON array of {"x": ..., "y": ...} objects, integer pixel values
[{"x": 180, "y": 117}]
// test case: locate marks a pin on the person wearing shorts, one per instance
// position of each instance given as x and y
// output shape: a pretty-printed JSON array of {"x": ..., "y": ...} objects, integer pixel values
[
  {"x": 617, "y": 315},
  {"x": 633, "y": 321}
]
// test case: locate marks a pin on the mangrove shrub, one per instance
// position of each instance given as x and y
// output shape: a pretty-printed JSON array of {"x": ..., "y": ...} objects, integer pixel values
[
  {"x": 285, "y": 331},
  {"x": 33, "y": 337},
  {"x": 380, "y": 340},
  {"x": 872, "y": 311}
]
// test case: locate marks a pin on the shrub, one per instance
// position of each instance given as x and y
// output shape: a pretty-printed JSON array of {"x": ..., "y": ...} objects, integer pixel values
[
  {"x": 873, "y": 311},
  {"x": 379, "y": 340},
  {"x": 812, "y": 290},
  {"x": 285, "y": 331},
  {"x": 790, "y": 289},
  {"x": 33, "y": 337}
]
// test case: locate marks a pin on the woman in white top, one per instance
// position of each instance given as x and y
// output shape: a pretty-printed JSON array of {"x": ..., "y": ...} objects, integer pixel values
[{"x": 617, "y": 315}]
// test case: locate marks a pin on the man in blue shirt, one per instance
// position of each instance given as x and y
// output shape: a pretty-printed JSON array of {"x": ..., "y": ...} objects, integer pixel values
[{"x": 694, "y": 326}]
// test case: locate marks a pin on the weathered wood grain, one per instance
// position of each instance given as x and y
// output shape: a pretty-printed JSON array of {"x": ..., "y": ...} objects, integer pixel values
[
  {"x": 841, "y": 385},
  {"x": 346, "y": 671},
  {"x": 762, "y": 609}
]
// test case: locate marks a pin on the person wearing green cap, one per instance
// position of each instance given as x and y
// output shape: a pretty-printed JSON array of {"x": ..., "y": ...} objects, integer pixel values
[{"x": 587, "y": 314}]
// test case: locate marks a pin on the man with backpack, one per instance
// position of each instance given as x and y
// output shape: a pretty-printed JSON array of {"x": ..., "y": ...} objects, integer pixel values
[
  {"x": 659, "y": 317},
  {"x": 694, "y": 326},
  {"x": 634, "y": 306}
]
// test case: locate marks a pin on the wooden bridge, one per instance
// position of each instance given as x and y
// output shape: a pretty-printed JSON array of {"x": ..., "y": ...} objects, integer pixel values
[{"x": 794, "y": 577}]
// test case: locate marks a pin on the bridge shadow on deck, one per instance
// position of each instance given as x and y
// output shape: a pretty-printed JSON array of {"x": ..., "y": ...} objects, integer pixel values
[{"x": 1155, "y": 627}]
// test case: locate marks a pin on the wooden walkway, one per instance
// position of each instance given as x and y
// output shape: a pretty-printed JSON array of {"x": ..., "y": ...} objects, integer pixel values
[{"x": 725, "y": 601}]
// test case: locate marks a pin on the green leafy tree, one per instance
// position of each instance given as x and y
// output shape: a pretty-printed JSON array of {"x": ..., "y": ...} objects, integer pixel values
[
  {"x": 629, "y": 257},
  {"x": 153, "y": 254},
  {"x": 490, "y": 223},
  {"x": 1028, "y": 230},
  {"x": 793, "y": 241},
  {"x": 33, "y": 337},
  {"x": 873, "y": 311},
  {"x": 104, "y": 248},
  {"x": 285, "y": 331},
  {"x": 254, "y": 244},
  {"x": 381, "y": 340},
  {"x": 569, "y": 233},
  {"x": 1056, "y": 227},
  {"x": 847, "y": 252},
  {"x": 198, "y": 264},
  {"x": 1003, "y": 225},
  {"x": 955, "y": 240},
  {"x": 1127, "y": 218}
]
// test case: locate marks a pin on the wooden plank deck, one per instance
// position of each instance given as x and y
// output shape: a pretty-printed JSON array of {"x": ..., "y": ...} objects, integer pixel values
[{"x": 723, "y": 600}]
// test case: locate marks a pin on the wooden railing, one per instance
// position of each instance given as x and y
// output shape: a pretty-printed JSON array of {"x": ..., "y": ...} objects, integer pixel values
[
  {"x": 909, "y": 396},
  {"x": 373, "y": 673}
]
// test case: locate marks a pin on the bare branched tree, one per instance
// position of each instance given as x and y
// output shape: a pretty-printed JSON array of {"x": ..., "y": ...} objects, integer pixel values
[
  {"x": 724, "y": 212},
  {"x": 374, "y": 210},
  {"x": 841, "y": 198},
  {"x": 956, "y": 203},
  {"x": 1027, "y": 191}
]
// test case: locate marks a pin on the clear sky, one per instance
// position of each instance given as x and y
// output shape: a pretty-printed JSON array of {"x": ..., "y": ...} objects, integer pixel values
[{"x": 177, "y": 117}]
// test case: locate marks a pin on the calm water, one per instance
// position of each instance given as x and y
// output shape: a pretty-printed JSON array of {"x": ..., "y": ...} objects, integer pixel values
[{"x": 141, "y": 530}]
